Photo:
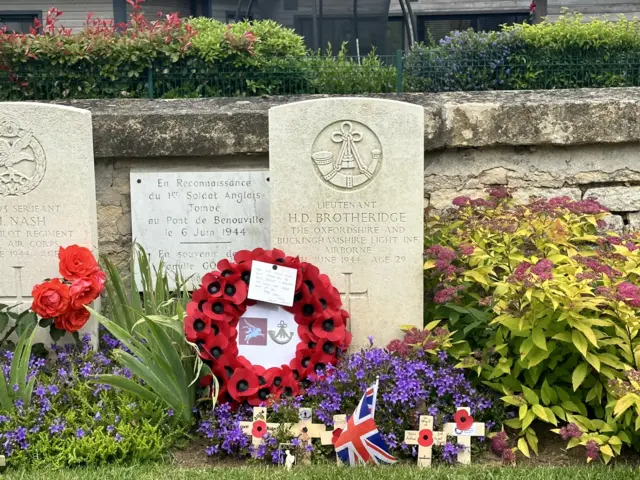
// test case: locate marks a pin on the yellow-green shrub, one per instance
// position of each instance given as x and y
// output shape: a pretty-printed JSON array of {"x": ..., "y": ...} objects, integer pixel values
[{"x": 546, "y": 302}]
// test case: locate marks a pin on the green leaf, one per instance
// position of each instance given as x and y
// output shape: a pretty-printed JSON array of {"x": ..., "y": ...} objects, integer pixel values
[
  {"x": 4, "y": 321},
  {"x": 530, "y": 396},
  {"x": 548, "y": 394},
  {"x": 528, "y": 419},
  {"x": 539, "y": 338},
  {"x": 579, "y": 374},
  {"x": 541, "y": 413},
  {"x": 523, "y": 447},
  {"x": 55, "y": 333},
  {"x": 580, "y": 342},
  {"x": 522, "y": 411},
  {"x": 624, "y": 403}
]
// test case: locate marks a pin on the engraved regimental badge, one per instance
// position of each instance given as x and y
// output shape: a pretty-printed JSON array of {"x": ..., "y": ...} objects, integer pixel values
[
  {"x": 22, "y": 159},
  {"x": 347, "y": 155},
  {"x": 281, "y": 337}
]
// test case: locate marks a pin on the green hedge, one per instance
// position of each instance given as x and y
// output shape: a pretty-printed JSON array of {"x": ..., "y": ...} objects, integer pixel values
[
  {"x": 568, "y": 53},
  {"x": 173, "y": 58}
]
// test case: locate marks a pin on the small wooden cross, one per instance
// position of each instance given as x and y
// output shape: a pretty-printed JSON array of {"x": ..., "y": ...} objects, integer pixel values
[
  {"x": 259, "y": 427},
  {"x": 339, "y": 421},
  {"x": 305, "y": 429},
  {"x": 464, "y": 429},
  {"x": 3, "y": 461},
  {"x": 425, "y": 438}
]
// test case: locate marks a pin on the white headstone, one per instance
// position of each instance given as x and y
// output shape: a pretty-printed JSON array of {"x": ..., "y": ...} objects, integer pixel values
[
  {"x": 193, "y": 219},
  {"x": 347, "y": 196},
  {"x": 47, "y": 195}
]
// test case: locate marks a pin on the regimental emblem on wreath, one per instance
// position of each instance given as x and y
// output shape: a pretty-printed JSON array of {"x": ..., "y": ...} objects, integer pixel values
[
  {"x": 22, "y": 159},
  {"x": 347, "y": 155},
  {"x": 281, "y": 337}
]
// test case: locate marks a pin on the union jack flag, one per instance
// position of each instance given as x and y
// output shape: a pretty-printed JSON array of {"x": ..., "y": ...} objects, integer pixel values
[{"x": 360, "y": 441}]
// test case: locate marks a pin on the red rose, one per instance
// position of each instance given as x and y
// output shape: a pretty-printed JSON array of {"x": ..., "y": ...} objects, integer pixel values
[
  {"x": 72, "y": 320},
  {"x": 51, "y": 298},
  {"x": 83, "y": 292},
  {"x": 99, "y": 278},
  {"x": 77, "y": 262}
]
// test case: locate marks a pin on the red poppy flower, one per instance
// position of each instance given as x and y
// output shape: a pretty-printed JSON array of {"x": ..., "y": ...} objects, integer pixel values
[
  {"x": 259, "y": 429},
  {"x": 425, "y": 438},
  {"x": 215, "y": 347},
  {"x": 330, "y": 326},
  {"x": 336, "y": 435},
  {"x": 306, "y": 334},
  {"x": 463, "y": 420},
  {"x": 213, "y": 284},
  {"x": 195, "y": 307},
  {"x": 244, "y": 256},
  {"x": 218, "y": 309},
  {"x": 290, "y": 387},
  {"x": 243, "y": 384},
  {"x": 198, "y": 327},
  {"x": 235, "y": 290}
]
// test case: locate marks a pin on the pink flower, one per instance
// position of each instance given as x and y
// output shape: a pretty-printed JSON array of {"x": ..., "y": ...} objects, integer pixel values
[
  {"x": 461, "y": 201},
  {"x": 592, "y": 450},
  {"x": 499, "y": 193},
  {"x": 543, "y": 269},
  {"x": 446, "y": 295},
  {"x": 570, "y": 431},
  {"x": 508, "y": 457},
  {"x": 499, "y": 443},
  {"x": 467, "y": 250}
]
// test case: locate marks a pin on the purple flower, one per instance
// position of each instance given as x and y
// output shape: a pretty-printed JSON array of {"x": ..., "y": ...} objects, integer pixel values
[
  {"x": 58, "y": 426},
  {"x": 79, "y": 433},
  {"x": 53, "y": 390},
  {"x": 110, "y": 429},
  {"x": 119, "y": 437}
]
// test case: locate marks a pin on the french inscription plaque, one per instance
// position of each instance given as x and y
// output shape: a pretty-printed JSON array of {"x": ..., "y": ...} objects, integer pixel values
[{"x": 192, "y": 219}]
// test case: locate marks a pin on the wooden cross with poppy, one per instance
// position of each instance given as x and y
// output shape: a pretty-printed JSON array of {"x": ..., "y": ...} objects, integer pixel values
[
  {"x": 425, "y": 438},
  {"x": 259, "y": 427},
  {"x": 330, "y": 437},
  {"x": 464, "y": 429}
]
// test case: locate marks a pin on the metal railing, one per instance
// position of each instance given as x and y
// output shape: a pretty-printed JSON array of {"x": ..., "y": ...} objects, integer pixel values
[{"x": 430, "y": 71}]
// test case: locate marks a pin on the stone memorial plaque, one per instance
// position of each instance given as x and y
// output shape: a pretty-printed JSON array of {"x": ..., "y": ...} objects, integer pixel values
[
  {"x": 193, "y": 219},
  {"x": 47, "y": 195},
  {"x": 347, "y": 196}
]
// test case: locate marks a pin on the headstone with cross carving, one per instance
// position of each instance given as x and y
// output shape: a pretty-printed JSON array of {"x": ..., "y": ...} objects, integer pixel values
[
  {"x": 47, "y": 195},
  {"x": 425, "y": 438},
  {"x": 464, "y": 428},
  {"x": 347, "y": 195}
]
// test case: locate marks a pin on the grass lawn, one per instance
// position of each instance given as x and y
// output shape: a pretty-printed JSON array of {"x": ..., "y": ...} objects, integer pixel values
[{"x": 165, "y": 472}]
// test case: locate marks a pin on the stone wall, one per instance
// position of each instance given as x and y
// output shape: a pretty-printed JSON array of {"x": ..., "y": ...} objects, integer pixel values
[{"x": 580, "y": 143}]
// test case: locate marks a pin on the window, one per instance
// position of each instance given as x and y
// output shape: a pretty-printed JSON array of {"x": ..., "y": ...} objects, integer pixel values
[
  {"x": 437, "y": 27},
  {"x": 395, "y": 35},
  {"x": 338, "y": 29},
  {"x": 19, "y": 22}
]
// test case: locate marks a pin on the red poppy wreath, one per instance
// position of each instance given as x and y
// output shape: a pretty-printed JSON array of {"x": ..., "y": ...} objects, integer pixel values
[{"x": 214, "y": 313}]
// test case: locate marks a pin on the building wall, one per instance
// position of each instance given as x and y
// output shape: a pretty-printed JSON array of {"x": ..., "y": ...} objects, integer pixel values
[
  {"x": 462, "y": 6},
  {"x": 152, "y": 8},
  {"x": 75, "y": 12},
  {"x": 592, "y": 8},
  {"x": 580, "y": 143}
]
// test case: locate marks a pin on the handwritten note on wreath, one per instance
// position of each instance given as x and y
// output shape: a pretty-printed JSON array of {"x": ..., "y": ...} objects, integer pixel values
[{"x": 272, "y": 283}]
